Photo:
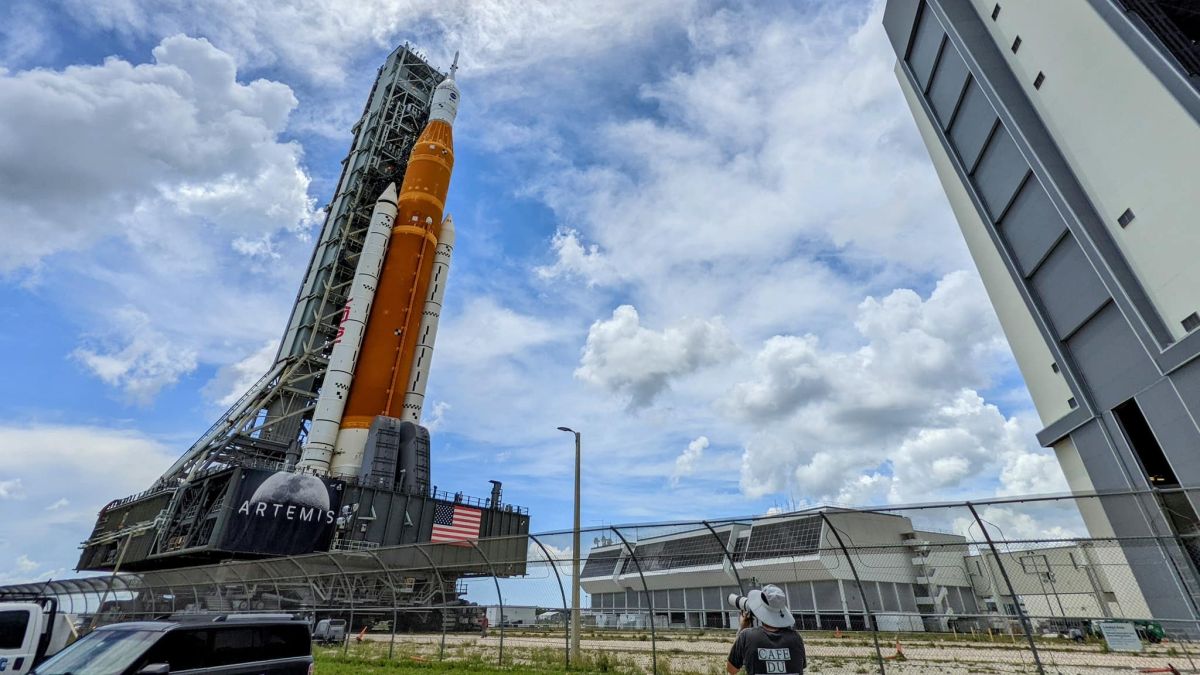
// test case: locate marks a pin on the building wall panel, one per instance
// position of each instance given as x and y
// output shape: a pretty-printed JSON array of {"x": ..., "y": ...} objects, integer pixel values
[
  {"x": 926, "y": 45},
  {"x": 1108, "y": 353},
  {"x": 1069, "y": 288},
  {"x": 948, "y": 83},
  {"x": 1031, "y": 226},
  {"x": 1000, "y": 172}
]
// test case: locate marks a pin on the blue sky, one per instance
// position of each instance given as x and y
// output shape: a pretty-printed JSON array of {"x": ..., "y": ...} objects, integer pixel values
[{"x": 705, "y": 234}]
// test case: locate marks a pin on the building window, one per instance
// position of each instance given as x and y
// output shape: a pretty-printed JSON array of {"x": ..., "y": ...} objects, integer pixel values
[
  {"x": 995, "y": 11},
  {"x": 1073, "y": 403},
  {"x": 1126, "y": 218},
  {"x": 1016, "y": 44},
  {"x": 1037, "y": 82},
  {"x": 1191, "y": 322}
]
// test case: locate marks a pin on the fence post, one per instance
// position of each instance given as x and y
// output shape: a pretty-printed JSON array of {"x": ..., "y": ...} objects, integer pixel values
[
  {"x": 442, "y": 586},
  {"x": 350, "y": 591},
  {"x": 1025, "y": 624},
  {"x": 728, "y": 556},
  {"x": 649, "y": 600},
  {"x": 861, "y": 593},
  {"x": 308, "y": 582},
  {"x": 395, "y": 601},
  {"x": 563, "y": 593},
  {"x": 499, "y": 594}
]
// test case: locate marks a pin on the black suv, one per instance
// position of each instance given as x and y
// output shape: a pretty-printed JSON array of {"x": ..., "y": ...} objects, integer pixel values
[{"x": 221, "y": 645}]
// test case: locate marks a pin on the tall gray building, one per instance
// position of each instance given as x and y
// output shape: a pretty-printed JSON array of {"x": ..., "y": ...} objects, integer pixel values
[{"x": 1066, "y": 136}]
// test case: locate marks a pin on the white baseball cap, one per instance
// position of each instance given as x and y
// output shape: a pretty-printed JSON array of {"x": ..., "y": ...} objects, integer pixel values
[{"x": 769, "y": 606}]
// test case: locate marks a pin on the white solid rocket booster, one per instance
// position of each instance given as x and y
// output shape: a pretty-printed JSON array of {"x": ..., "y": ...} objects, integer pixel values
[
  {"x": 414, "y": 397},
  {"x": 327, "y": 418}
]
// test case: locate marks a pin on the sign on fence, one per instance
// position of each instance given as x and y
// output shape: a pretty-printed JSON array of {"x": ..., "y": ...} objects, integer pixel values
[{"x": 1121, "y": 636}]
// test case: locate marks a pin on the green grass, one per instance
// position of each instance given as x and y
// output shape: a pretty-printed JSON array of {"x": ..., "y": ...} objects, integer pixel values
[{"x": 372, "y": 659}]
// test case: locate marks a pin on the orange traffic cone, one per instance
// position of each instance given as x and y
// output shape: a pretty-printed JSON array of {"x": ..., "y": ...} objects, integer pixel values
[{"x": 899, "y": 655}]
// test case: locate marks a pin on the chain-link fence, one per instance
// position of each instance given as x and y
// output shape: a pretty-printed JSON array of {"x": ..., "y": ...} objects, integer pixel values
[{"x": 999, "y": 586}]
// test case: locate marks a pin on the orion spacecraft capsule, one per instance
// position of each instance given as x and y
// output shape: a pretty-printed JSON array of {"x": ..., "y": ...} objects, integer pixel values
[{"x": 380, "y": 363}]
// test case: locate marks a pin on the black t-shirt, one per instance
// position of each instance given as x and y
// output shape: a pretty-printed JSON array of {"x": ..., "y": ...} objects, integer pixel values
[{"x": 762, "y": 651}]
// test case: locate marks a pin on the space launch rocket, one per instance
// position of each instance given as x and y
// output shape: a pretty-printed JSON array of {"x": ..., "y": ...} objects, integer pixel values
[{"x": 379, "y": 363}]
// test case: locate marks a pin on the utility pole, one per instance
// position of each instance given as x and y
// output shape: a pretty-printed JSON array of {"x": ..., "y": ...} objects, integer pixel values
[{"x": 575, "y": 557}]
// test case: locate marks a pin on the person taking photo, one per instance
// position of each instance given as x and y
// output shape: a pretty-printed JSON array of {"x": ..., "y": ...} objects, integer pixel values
[{"x": 773, "y": 646}]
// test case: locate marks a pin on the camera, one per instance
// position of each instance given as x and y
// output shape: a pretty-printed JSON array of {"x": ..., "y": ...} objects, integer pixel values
[{"x": 739, "y": 602}]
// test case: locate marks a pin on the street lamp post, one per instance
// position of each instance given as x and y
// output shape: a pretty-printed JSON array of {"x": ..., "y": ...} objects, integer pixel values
[{"x": 575, "y": 559}]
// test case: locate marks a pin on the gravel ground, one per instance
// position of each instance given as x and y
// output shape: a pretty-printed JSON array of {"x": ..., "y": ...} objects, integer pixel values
[{"x": 852, "y": 654}]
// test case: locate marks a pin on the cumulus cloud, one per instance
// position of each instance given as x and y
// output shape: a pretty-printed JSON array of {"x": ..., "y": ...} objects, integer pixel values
[
  {"x": 95, "y": 464},
  {"x": 894, "y": 420},
  {"x": 11, "y": 489},
  {"x": 142, "y": 362},
  {"x": 788, "y": 371},
  {"x": 831, "y": 167},
  {"x": 685, "y": 463},
  {"x": 628, "y": 358},
  {"x": 572, "y": 257},
  {"x": 141, "y": 185},
  {"x": 320, "y": 38},
  {"x": 128, "y": 150}
]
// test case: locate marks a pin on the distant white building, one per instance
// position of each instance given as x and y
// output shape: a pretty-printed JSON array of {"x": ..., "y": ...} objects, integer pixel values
[{"x": 912, "y": 580}]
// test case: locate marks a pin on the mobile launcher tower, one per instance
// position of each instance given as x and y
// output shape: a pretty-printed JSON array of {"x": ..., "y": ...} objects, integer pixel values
[{"x": 325, "y": 452}]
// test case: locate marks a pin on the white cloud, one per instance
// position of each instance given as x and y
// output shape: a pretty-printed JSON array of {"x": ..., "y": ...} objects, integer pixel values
[
  {"x": 144, "y": 364},
  {"x": 129, "y": 150},
  {"x": 787, "y": 372},
  {"x": 234, "y": 380},
  {"x": 11, "y": 489},
  {"x": 93, "y": 464},
  {"x": 151, "y": 190},
  {"x": 435, "y": 416},
  {"x": 632, "y": 360},
  {"x": 485, "y": 331},
  {"x": 572, "y": 257},
  {"x": 1027, "y": 473},
  {"x": 1009, "y": 522},
  {"x": 831, "y": 167},
  {"x": 685, "y": 463},
  {"x": 898, "y": 419},
  {"x": 321, "y": 38}
]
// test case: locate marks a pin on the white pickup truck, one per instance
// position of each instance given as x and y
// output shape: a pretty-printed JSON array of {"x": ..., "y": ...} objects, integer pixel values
[{"x": 30, "y": 631}]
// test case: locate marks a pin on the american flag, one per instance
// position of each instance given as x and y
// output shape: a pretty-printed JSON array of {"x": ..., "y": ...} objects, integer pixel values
[{"x": 455, "y": 522}]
